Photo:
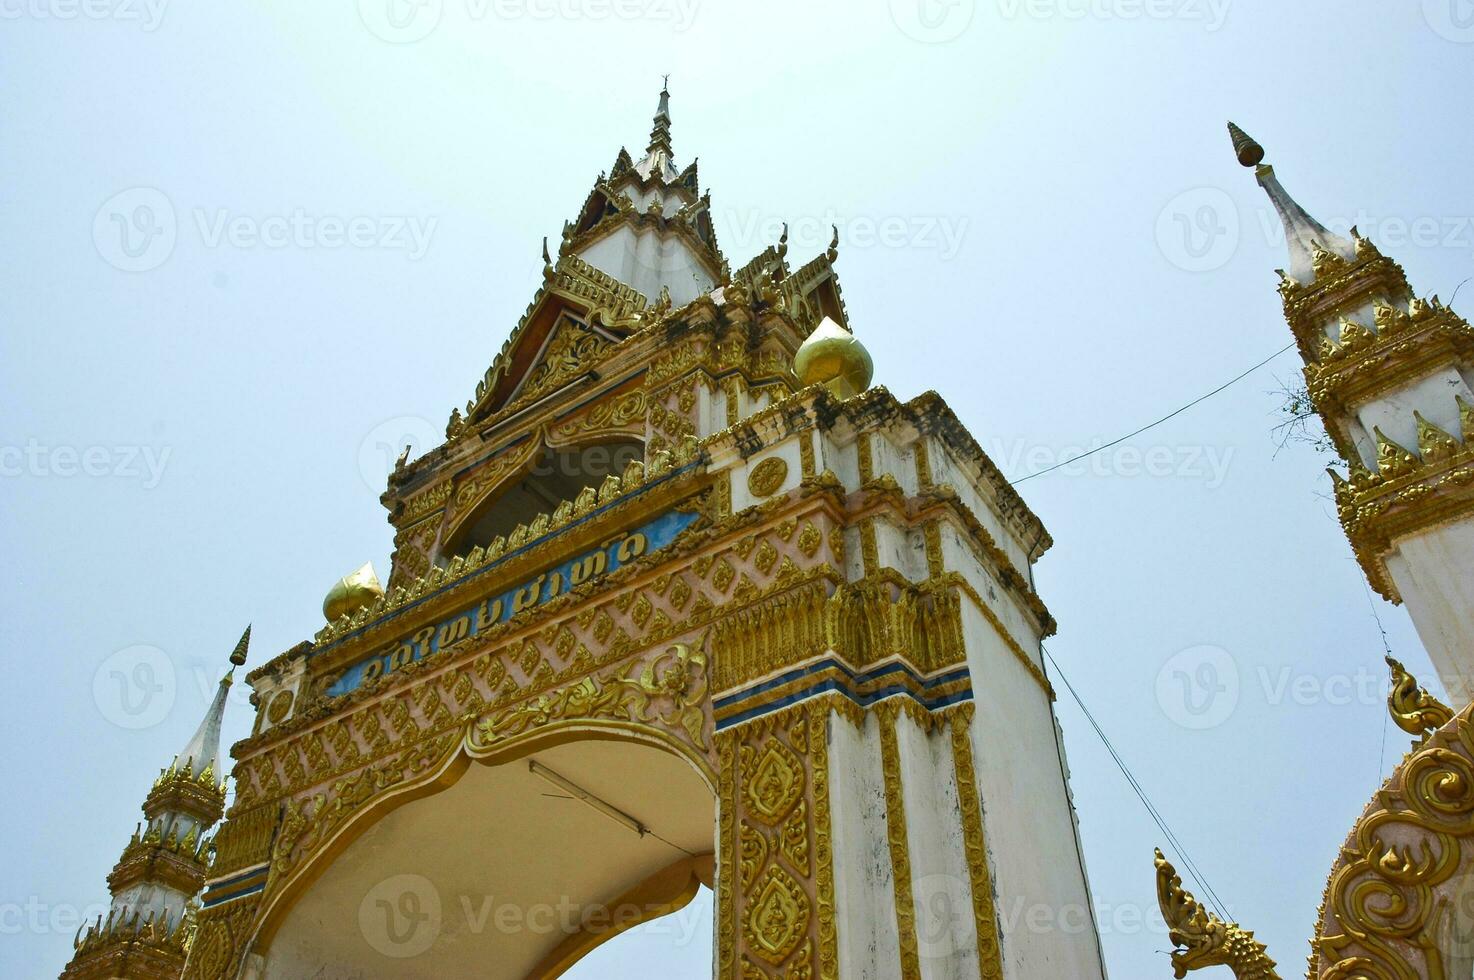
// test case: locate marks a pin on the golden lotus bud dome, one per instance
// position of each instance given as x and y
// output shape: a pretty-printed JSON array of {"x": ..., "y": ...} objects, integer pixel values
[
  {"x": 352, "y": 592},
  {"x": 833, "y": 357}
]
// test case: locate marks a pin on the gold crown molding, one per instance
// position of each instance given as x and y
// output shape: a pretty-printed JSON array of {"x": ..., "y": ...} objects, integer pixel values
[
  {"x": 180, "y": 864},
  {"x": 1378, "y": 510},
  {"x": 134, "y": 947},
  {"x": 179, "y": 790},
  {"x": 1340, "y": 287},
  {"x": 1404, "y": 348}
]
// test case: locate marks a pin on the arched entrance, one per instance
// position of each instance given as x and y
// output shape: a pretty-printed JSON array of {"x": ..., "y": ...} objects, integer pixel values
[{"x": 516, "y": 870}]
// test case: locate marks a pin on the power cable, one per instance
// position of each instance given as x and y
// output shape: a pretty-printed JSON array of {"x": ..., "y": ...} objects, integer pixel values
[{"x": 1152, "y": 425}]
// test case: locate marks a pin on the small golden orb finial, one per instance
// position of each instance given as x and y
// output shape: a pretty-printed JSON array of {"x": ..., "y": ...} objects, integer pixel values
[
  {"x": 1245, "y": 147},
  {"x": 833, "y": 357},
  {"x": 352, "y": 592}
]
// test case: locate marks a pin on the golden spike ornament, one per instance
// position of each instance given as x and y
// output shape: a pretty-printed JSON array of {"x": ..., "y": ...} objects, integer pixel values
[
  {"x": 1413, "y": 709},
  {"x": 238, "y": 655},
  {"x": 1202, "y": 938},
  {"x": 1245, "y": 147}
]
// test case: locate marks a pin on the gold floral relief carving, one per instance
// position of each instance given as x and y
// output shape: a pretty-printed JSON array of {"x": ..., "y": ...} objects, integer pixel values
[{"x": 778, "y": 917}]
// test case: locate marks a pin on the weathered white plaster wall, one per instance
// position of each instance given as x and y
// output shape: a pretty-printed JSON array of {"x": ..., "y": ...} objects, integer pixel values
[
  {"x": 864, "y": 889},
  {"x": 1434, "y": 573}
]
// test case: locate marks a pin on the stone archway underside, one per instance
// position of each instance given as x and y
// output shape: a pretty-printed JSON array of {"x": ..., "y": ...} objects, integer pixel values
[{"x": 503, "y": 870}]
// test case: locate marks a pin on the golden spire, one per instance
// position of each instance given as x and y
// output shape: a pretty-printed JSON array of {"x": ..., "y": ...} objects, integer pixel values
[{"x": 832, "y": 356}]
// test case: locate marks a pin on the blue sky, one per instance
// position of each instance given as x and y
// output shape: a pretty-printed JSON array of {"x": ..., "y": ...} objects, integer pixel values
[{"x": 1040, "y": 218}]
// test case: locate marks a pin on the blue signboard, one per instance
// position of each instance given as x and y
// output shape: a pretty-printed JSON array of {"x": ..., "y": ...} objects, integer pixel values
[{"x": 431, "y": 639}]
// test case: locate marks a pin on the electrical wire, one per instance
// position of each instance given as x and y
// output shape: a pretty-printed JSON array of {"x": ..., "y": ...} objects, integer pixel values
[
  {"x": 1172, "y": 839},
  {"x": 1152, "y": 425}
]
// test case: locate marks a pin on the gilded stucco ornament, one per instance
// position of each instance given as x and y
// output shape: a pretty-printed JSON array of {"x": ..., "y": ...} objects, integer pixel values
[
  {"x": 357, "y": 590},
  {"x": 1413, "y": 709},
  {"x": 1203, "y": 939}
]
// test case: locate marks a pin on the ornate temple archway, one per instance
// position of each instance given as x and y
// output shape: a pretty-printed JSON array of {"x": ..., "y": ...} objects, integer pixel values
[{"x": 748, "y": 657}]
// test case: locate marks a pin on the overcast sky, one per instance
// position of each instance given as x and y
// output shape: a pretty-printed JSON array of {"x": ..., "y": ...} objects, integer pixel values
[{"x": 1040, "y": 218}]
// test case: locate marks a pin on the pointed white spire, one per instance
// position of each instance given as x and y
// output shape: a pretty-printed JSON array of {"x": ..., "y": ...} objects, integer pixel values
[
  {"x": 1303, "y": 234},
  {"x": 659, "y": 156},
  {"x": 203, "y": 749}
]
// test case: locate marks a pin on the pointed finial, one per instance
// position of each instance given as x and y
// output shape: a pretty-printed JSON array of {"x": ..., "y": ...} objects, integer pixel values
[
  {"x": 660, "y": 133},
  {"x": 238, "y": 655},
  {"x": 833, "y": 252},
  {"x": 1245, "y": 147}
]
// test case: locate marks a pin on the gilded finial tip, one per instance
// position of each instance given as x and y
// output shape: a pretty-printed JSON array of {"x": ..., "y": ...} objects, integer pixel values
[{"x": 1245, "y": 147}]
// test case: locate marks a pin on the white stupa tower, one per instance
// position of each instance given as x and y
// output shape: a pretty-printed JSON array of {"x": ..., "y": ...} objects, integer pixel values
[
  {"x": 1391, "y": 376},
  {"x": 154, "y": 885}
]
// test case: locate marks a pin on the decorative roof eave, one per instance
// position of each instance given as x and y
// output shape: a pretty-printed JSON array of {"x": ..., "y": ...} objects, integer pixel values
[{"x": 685, "y": 185}]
